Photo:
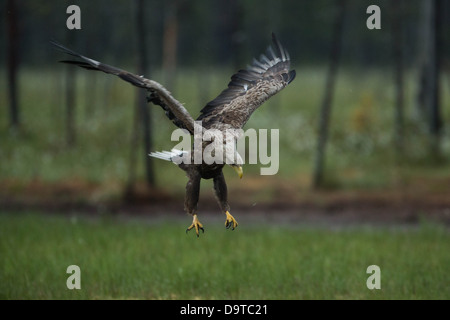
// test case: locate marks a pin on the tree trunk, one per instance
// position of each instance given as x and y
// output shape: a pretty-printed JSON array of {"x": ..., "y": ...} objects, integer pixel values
[
  {"x": 428, "y": 100},
  {"x": 70, "y": 99},
  {"x": 397, "y": 30},
  {"x": 13, "y": 62},
  {"x": 170, "y": 39},
  {"x": 141, "y": 100},
  {"x": 136, "y": 126},
  {"x": 435, "y": 112},
  {"x": 328, "y": 95},
  {"x": 90, "y": 102},
  {"x": 237, "y": 33}
]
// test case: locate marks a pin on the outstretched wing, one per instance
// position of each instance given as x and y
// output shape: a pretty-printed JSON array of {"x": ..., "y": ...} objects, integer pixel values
[
  {"x": 159, "y": 95},
  {"x": 248, "y": 89}
]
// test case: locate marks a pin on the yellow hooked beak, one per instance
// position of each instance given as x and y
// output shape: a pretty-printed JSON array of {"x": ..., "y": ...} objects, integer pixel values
[{"x": 239, "y": 171}]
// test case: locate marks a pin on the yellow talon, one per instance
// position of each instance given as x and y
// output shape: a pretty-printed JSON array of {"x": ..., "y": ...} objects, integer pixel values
[
  {"x": 230, "y": 222},
  {"x": 195, "y": 224}
]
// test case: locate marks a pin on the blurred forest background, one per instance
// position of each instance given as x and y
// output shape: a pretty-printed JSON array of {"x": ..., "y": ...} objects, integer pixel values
[{"x": 365, "y": 121}]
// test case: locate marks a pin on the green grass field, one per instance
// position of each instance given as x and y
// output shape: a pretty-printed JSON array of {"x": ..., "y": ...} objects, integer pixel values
[{"x": 144, "y": 259}]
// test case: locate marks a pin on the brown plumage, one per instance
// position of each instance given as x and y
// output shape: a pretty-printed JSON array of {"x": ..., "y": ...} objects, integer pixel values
[{"x": 247, "y": 90}]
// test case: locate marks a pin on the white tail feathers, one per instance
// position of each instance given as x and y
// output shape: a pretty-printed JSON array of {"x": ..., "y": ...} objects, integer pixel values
[{"x": 173, "y": 156}]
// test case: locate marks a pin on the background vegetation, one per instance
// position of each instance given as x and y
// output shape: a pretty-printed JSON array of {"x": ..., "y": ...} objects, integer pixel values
[{"x": 77, "y": 146}]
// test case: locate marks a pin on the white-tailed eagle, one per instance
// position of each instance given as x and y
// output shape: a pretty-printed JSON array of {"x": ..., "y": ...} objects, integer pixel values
[{"x": 248, "y": 89}]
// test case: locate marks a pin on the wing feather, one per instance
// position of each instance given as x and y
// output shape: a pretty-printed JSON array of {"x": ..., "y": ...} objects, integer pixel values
[
  {"x": 248, "y": 89},
  {"x": 159, "y": 95}
]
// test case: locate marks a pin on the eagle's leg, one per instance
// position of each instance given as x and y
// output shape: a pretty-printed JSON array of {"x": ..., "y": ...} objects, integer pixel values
[
  {"x": 190, "y": 204},
  {"x": 220, "y": 188}
]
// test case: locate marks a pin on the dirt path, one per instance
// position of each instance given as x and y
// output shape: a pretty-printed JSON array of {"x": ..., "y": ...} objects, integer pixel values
[{"x": 331, "y": 208}]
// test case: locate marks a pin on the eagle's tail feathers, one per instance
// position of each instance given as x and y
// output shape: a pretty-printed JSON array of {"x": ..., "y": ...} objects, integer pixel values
[{"x": 168, "y": 155}]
